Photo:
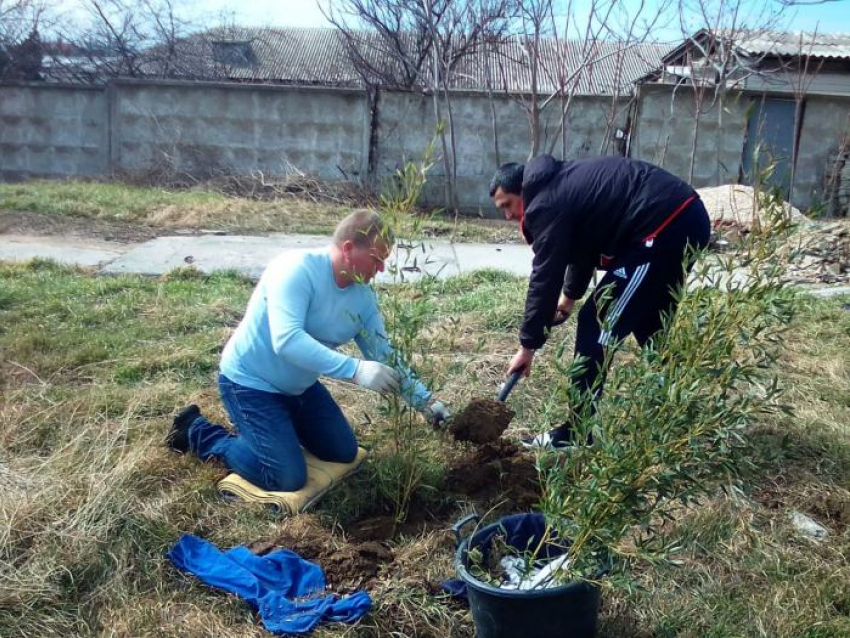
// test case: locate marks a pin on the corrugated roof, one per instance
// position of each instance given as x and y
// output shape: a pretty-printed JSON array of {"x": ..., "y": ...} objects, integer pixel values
[
  {"x": 321, "y": 57},
  {"x": 770, "y": 43},
  {"x": 816, "y": 45},
  {"x": 601, "y": 68}
]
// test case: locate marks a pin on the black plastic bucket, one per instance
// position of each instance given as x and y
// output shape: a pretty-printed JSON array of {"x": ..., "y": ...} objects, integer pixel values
[{"x": 565, "y": 611}]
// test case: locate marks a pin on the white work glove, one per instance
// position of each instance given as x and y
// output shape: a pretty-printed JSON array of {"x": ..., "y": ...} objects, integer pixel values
[
  {"x": 436, "y": 413},
  {"x": 376, "y": 376}
]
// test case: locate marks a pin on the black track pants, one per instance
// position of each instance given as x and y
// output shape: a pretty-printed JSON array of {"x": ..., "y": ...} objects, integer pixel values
[{"x": 641, "y": 283}]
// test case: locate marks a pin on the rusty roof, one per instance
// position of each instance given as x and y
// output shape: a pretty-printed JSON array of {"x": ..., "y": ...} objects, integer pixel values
[{"x": 316, "y": 56}]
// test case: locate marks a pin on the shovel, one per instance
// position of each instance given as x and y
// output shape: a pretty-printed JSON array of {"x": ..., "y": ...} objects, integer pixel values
[{"x": 484, "y": 420}]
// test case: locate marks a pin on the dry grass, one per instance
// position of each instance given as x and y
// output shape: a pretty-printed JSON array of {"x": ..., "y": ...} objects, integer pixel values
[
  {"x": 199, "y": 209},
  {"x": 90, "y": 502}
]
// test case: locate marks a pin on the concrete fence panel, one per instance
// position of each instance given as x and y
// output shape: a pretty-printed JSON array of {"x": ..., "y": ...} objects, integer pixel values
[
  {"x": 53, "y": 130},
  {"x": 665, "y": 127},
  {"x": 824, "y": 133},
  {"x": 408, "y": 123},
  {"x": 208, "y": 129}
]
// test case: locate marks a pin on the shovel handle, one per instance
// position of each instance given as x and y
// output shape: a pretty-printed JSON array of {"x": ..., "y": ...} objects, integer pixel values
[{"x": 509, "y": 385}]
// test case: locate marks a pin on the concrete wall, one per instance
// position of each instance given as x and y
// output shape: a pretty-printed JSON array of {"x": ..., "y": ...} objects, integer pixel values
[
  {"x": 664, "y": 134},
  {"x": 209, "y": 129},
  {"x": 53, "y": 130},
  {"x": 826, "y": 123},
  {"x": 407, "y": 125}
]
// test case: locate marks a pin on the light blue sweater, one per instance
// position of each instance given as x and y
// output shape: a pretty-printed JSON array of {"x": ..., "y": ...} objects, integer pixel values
[{"x": 296, "y": 319}]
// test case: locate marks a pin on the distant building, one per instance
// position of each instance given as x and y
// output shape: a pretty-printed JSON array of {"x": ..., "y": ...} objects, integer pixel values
[{"x": 766, "y": 100}]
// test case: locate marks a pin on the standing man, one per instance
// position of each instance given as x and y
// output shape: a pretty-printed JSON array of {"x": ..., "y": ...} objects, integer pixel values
[
  {"x": 635, "y": 220},
  {"x": 305, "y": 306}
]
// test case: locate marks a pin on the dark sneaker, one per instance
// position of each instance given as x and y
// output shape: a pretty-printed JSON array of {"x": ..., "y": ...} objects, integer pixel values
[
  {"x": 178, "y": 437},
  {"x": 559, "y": 438}
]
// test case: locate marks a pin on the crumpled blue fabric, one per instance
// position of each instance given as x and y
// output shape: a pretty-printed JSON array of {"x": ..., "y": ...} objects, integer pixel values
[{"x": 273, "y": 584}]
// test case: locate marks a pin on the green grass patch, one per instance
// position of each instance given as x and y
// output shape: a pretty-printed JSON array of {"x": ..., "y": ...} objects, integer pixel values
[
  {"x": 102, "y": 200},
  {"x": 92, "y": 369}
]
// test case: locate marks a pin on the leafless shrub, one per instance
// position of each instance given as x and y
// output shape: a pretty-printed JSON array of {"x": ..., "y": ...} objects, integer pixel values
[{"x": 293, "y": 183}]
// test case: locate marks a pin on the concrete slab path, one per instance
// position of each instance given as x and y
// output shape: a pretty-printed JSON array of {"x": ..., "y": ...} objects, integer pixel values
[
  {"x": 249, "y": 255},
  {"x": 69, "y": 252}
]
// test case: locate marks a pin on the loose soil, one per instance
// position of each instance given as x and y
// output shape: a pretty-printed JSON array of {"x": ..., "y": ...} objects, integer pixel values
[
  {"x": 37, "y": 224},
  {"x": 348, "y": 565},
  {"x": 482, "y": 421},
  {"x": 424, "y": 516},
  {"x": 498, "y": 470},
  {"x": 358, "y": 555}
]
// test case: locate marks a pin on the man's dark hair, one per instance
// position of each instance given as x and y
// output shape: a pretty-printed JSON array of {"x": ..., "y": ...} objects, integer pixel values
[{"x": 508, "y": 178}]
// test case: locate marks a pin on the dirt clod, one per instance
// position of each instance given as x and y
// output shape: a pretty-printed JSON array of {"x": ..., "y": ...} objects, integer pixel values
[
  {"x": 496, "y": 471},
  {"x": 482, "y": 421},
  {"x": 355, "y": 565},
  {"x": 347, "y": 565}
]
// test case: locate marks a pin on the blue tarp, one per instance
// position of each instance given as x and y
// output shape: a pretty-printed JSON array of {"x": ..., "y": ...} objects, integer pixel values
[{"x": 288, "y": 591}]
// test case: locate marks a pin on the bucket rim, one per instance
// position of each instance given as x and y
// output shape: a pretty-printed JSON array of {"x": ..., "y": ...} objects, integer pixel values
[
  {"x": 526, "y": 594},
  {"x": 481, "y": 586}
]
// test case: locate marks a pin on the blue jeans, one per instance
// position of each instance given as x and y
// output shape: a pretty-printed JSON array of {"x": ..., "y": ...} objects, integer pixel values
[{"x": 271, "y": 428}]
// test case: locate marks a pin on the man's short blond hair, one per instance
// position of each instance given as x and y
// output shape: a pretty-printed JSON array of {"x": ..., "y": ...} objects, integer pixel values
[{"x": 364, "y": 228}]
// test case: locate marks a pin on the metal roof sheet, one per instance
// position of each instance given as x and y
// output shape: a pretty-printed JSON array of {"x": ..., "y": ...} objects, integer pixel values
[
  {"x": 816, "y": 45},
  {"x": 320, "y": 57}
]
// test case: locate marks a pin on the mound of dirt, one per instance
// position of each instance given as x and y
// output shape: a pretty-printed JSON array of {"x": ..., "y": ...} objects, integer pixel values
[
  {"x": 496, "y": 471},
  {"x": 482, "y": 421},
  {"x": 735, "y": 206},
  {"x": 348, "y": 565},
  {"x": 821, "y": 248},
  {"x": 355, "y": 566}
]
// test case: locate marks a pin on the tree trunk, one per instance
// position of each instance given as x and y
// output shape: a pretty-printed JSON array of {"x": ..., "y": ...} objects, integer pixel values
[
  {"x": 492, "y": 103},
  {"x": 695, "y": 140},
  {"x": 534, "y": 119}
]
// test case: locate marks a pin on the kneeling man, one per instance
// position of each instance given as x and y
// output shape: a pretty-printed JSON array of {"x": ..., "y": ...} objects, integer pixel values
[{"x": 305, "y": 306}]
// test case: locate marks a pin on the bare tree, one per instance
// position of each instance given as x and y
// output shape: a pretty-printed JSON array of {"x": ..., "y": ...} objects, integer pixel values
[
  {"x": 126, "y": 38},
  {"x": 20, "y": 41},
  {"x": 536, "y": 24},
  {"x": 564, "y": 44},
  {"x": 18, "y": 18},
  {"x": 419, "y": 44},
  {"x": 800, "y": 71},
  {"x": 388, "y": 41},
  {"x": 461, "y": 32},
  {"x": 713, "y": 61}
]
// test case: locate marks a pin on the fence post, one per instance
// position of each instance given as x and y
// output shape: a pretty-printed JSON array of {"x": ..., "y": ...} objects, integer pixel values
[{"x": 110, "y": 126}]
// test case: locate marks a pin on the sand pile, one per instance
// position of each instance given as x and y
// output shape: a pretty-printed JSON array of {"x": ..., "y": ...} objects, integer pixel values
[{"x": 822, "y": 248}]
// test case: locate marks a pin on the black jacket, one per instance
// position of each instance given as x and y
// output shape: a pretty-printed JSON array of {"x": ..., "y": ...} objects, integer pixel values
[{"x": 578, "y": 211}]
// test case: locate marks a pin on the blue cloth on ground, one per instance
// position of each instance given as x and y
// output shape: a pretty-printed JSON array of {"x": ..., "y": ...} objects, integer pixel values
[
  {"x": 522, "y": 531},
  {"x": 272, "y": 584}
]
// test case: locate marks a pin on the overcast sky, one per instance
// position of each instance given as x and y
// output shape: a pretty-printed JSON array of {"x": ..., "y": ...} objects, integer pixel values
[{"x": 831, "y": 17}]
